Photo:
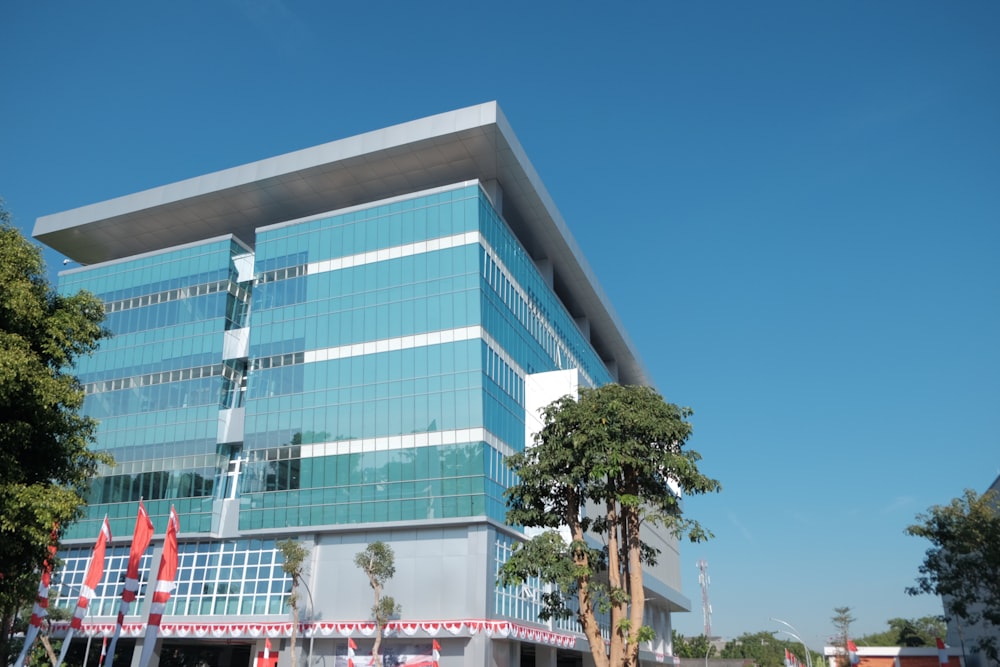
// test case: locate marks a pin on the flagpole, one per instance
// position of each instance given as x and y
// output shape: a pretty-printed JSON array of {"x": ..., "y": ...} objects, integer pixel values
[
  {"x": 312, "y": 613},
  {"x": 165, "y": 580},
  {"x": 41, "y": 608},
  {"x": 29, "y": 639},
  {"x": 95, "y": 572},
  {"x": 86, "y": 651},
  {"x": 65, "y": 647},
  {"x": 141, "y": 538}
]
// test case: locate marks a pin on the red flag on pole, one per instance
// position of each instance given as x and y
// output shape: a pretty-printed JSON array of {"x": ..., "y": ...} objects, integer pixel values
[
  {"x": 435, "y": 651},
  {"x": 41, "y": 608},
  {"x": 104, "y": 649},
  {"x": 942, "y": 652},
  {"x": 141, "y": 538},
  {"x": 95, "y": 572},
  {"x": 167, "y": 573},
  {"x": 351, "y": 648},
  {"x": 165, "y": 581},
  {"x": 852, "y": 652},
  {"x": 267, "y": 648}
]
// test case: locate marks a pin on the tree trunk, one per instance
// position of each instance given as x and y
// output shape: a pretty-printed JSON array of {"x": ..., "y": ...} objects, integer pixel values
[
  {"x": 618, "y": 609},
  {"x": 7, "y": 627},
  {"x": 588, "y": 621},
  {"x": 638, "y": 595},
  {"x": 48, "y": 649},
  {"x": 378, "y": 623}
]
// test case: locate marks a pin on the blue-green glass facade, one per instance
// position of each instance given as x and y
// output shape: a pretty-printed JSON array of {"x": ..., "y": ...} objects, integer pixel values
[
  {"x": 383, "y": 382},
  {"x": 156, "y": 387},
  {"x": 396, "y": 278}
]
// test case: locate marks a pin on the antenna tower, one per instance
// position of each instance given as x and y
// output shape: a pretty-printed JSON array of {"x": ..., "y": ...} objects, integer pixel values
[{"x": 706, "y": 607}]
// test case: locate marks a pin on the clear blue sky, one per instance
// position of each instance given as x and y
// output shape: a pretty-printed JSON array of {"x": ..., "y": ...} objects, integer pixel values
[{"x": 795, "y": 207}]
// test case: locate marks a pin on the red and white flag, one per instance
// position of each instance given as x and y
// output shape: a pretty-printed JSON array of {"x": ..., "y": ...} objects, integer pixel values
[
  {"x": 104, "y": 649},
  {"x": 351, "y": 648},
  {"x": 165, "y": 582},
  {"x": 435, "y": 651},
  {"x": 166, "y": 575},
  {"x": 852, "y": 652},
  {"x": 942, "y": 652},
  {"x": 95, "y": 572},
  {"x": 788, "y": 658},
  {"x": 41, "y": 608},
  {"x": 267, "y": 648},
  {"x": 140, "y": 542}
]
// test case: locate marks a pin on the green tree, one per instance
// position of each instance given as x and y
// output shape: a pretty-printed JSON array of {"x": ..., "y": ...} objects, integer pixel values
[
  {"x": 908, "y": 632},
  {"x": 46, "y": 462},
  {"x": 294, "y": 555},
  {"x": 765, "y": 650},
  {"x": 379, "y": 562},
  {"x": 842, "y": 620},
  {"x": 619, "y": 449},
  {"x": 963, "y": 564},
  {"x": 692, "y": 647}
]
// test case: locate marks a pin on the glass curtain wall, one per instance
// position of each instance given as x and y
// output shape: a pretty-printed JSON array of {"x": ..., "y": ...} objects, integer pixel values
[{"x": 157, "y": 385}]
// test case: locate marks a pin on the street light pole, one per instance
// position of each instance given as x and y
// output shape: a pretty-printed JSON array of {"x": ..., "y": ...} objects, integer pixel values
[
  {"x": 312, "y": 609},
  {"x": 795, "y": 636}
]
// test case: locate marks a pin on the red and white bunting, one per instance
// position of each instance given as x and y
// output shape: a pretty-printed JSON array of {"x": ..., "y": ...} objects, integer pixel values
[{"x": 347, "y": 630}]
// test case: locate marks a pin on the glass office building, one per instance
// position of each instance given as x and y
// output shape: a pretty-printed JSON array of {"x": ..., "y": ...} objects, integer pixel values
[{"x": 340, "y": 345}]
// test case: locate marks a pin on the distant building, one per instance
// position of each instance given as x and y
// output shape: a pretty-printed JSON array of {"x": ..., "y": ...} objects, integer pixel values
[
  {"x": 895, "y": 656},
  {"x": 341, "y": 344}
]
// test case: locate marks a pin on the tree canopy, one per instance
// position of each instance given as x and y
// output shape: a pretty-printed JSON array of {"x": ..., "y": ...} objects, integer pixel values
[
  {"x": 842, "y": 620},
  {"x": 45, "y": 458},
  {"x": 766, "y": 650},
  {"x": 963, "y": 563},
  {"x": 908, "y": 632},
  {"x": 602, "y": 467},
  {"x": 692, "y": 647}
]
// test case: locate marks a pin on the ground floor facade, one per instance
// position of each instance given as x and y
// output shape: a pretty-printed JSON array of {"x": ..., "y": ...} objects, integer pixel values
[{"x": 231, "y": 599}]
